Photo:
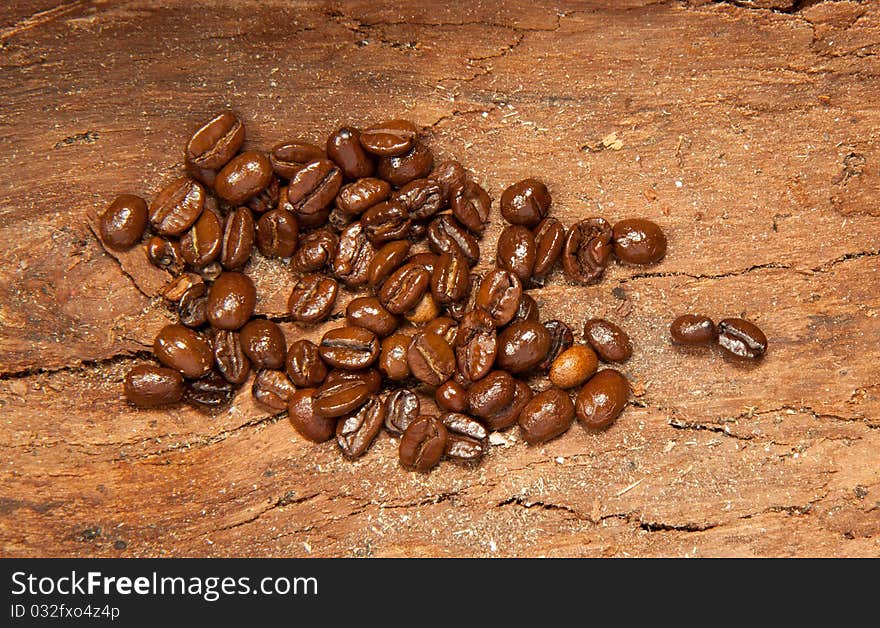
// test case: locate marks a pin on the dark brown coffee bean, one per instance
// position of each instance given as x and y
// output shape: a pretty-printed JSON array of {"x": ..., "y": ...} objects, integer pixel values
[
  {"x": 477, "y": 345},
  {"x": 356, "y": 198},
  {"x": 164, "y": 253},
  {"x": 458, "y": 310},
  {"x": 422, "y": 198},
  {"x": 418, "y": 230},
  {"x": 122, "y": 224},
  {"x": 392, "y": 359},
  {"x": 238, "y": 239},
  {"x": 231, "y": 301},
  {"x": 516, "y": 251},
  {"x": 638, "y": 241},
  {"x": 470, "y": 205},
  {"x": 349, "y": 347},
  {"x": 344, "y": 148},
  {"x": 404, "y": 288},
  {"x": 451, "y": 396},
  {"x": 546, "y": 416},
  {"x": 422, "y": 444},
  {"x": 426, "y": 260},
  {"x": 368, "y": 313},
  {"x": 451, "y": 280},
  {"x": 602, "y": 399},
  {"x": 245, "y": 176},
  {"x": 267, "y": 199},
  {"x": 386, "y": 260},
  {"x": 462, "y": 425},
  {"x": 573, "y": 367},
  {"x": 308, "y": 423},
  {"x": 264, "y": 344},
  {"x": 430, "y": 359},
  {"x": 741, "y": 339},
  {"x": 316, "y": 250},
  {"x": 182, "y": 349},
  {"x": 176, "y": 208},
  {"x": 446, "y": 235},
  {"x": 549, "y": 242},
  {"x": 445, "y": 327},
  {"x": 372, "y": 377},
  {"x": 216, "y": 142},
  {"x": 509, "y": 414},
  {"x": 192, "y": 309},
  {"x": 339, "y": 220},
  {"x": 314, "y": 187},
  {"x": 201, "y": 245},
  {"x": 354, "y": 253},
  {"x": 277, "y": 233},
  {"x": 210, "y": 392},
  {"x": 304, "y": 365},
  {"x": 527, "y": 310},
  {"x": 386, "y": 221},
  {"x": 608, "y": 340},
  {"x": 525, "y": 203},
  {"x": 693, "y": 329},
  {"x": 312, "y": 298},
  {"x": 491, "y": 394},
  {"x": 337, "y": 398},
  {"x": 402, "y": 407},
  {"x": 273, "y": 389},
  {"x": 427, "y": 309},
  {"x": 401, "y": 169},
  {"x": 449, "y": 174},
  {"x": 587, "y": 250},
  {"x": 522, "y": 346},
  {"x": 149, "y": 386},
  {"x": 499, "y": 295},
  {"x": 287, "y": 158},
  {"x": 390, "y": 138},
  {"x": 561, "y": 338},
  {"x": 355, "y": 432},
  {"x": 229, "y": 356}
]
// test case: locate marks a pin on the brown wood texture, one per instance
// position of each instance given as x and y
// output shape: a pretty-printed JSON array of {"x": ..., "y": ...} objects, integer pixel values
[{"x": 749, "y": 133}]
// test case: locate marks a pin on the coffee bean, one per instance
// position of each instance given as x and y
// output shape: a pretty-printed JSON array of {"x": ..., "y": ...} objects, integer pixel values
[
  {"x": 427, "y": 309},
  {"x": 423, "y": 443},
  {"x": 164, "y": 253},
  {"x": 587, "y": 250},
  {"x": 458, "y": 310},
  {"x": 401, "y": 169},
  {"x": 231, "y": 301},
  {"x": 451, "y": 280},
  {"x": 386, "y": 260},
  {"x": 459, "y": 424},
  {"x": 337, "y": 398},
  {"x": 177, "y": 206},
  {"x": 229, "y": 356},
  {"x": 392, "y": 358},
  {"x": 268, "y": 198},
  {"x": 445, "y": 327},
  {"x": 304, "y": 365},
  {"x": 316, "y": 250},
  {"x": 430, "y": 358},
  {"x": 178, "y": 286},
  {"x": 527, "y": 310},
  {"x": 192, "y": 309},
  {"x": 277, "y": 233},
  {"x": 390, "y": 138},
  {"x": 402, "y": 407},
  {"x": 245, "y": 176},
  {"x": 386, "y": 221},
  {"x": 741, "y": 339},
  {"x": 368, "y": 313},
  {"x": 314, "y": 187},
  {"x": 354, "y": 253},
  {"x": 509, "y": 414},
  {"x": 308, "y": 423},
  {"x": 211, "y": 271},
  {"x": 182, "y": 349},
  {"x": 312, "y": 298},
  {"x": 149, "y": 386},
  {"x": 355, "y": 432},
  {"x": 516, "y": 251},
  {"x": 349, "y": 347},
  {"x": 693, "y": 329},
  {"x": 202, "y": 244},
  {"x": 422, "y": 198},
  {"x": 264, "y": 343},
  {"x": 546, "y": 416},
  {"x": 238, "y": 239},
  {"x": 521, "y": 346},
  {"x": 638, "y": 241},
  {"x": 491, "y": 394},
  {"x": 561, "y": 338},
  {"x": 549, "y": 242},
  {"x": 273, "y": 389},
  {"x": 573, "y": 367},
  {"x": 451, "y": 396},
  {"x": 357, "y": 197},
  {"x": 123, "y": 223},
  {"x": 525, "y": 203},
  {"x": 602, "y": 399},
  {"x": 344, "y": 148},
  {"x": 477, "y": 345},
  {"x": 608, "y": 340},
  {"x": 449, "y": 174},
  {"x": 287, "y": 158},
  {"x": 211, "y": 392},
  {"x": 447, "y": 235},
  {"x": 426, "y": 260},
  {"x": 404, "y": 288},
  {"x": 216, "y": 142},
  {"x": 499, "y": 295},
  {"x": 471, "y": 205}
]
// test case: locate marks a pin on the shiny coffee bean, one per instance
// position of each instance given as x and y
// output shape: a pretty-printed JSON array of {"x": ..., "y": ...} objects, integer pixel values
[
  {"x": 231, "y": 301},
  {"x": 267, "y": 199},
  {"x": 499, "y": 295},
  {"x": 245, "y": 176},
  {"x": 430, "y": 359},
  {"x": 449, "y": 174},
  {"x": 546, "y": 416},
  {"x": 288, "y": 158},
  {"x": 426, "y": 260},
  {"x": 392, "y": 358},
  {"x": 177, "y": 206},
  {"x": 316, "y": 250},
  {"x": 273, "y": 389},
  {"x": 149, "y": 386},
  {"x": 164, "y": 253},
  {"x": 608, "y": 340},
  {"x": 463, "y": 449},
  {"x": 693, "y": 329},
  {"x": 344, "y": 148},
  {"x": 527, "y": 310},
  {"x": 123, "y": 223},
  {"x": 451, "y": 396},
  {"x": 238, "y": 239},
  {"x": 192, "y": 309},
  {"x": 386, "y": 260},
  {"x": 445, "y": 327},
  {"x": 370, "y": 376},
  {"x": 386, "y": 221},
  {"x": 427, "y": 309},
  {"x": 339, "y": 220},
  {"x": 304, "y": 365},
  {"x": 456, "y": 311},
  {"x": 491, "y": 394},
  {"x": 202, "y": 243},
  {"x": 476, "y": 345},
  {"x": 277, "y": 233},
  {"x": 357, "y": 197},
  {"x": 574, "y": 366},
  {"x": 182, "y": 349},
  {"x": 354, "y": 253},
  {"x": 367, "y": 312},
  {"x": 402, "y": 407},
  {"x": 638, "y": 241},
  {"x": 602, "y": 399},
  {"x": 337, "y": 398},
  {"x": 516, "y": 251},
  {"x": 422, "y": 198},
  {"x": 216, "y": 142},
  {"x": 404, "y": 288},
  {"x": 470, "y": 205},
  {"x": 587, "y": 250},
  {"x": 741, "y": 339},
  {"x": 229, "y": 357},
  {"x": 401, "y": 169},
  {"x": 312, "y": 298},
  {"x": 389, "y": 138},
  {"x": 210, "y": 392},
  {"x": 549, "y": 243},
  {"x": 464, "y": 427},
  {"x": 264, "y": 344},
  {"x": 349, "y": 347},
  {"x": 447, "y": 235},
  {"x": 308, "y": 423},
  {"x": 451, "y": 279},
  {"x": 509, "y": 414},
  {"x": 355, "y": 432},
  {"x": 423, "y": 443},
  {"x": 561, "y": 338},
  {"x": 314, "y": 187},
  {"x": 525, "y": 203},
  {"x": 521, "y": 346}
]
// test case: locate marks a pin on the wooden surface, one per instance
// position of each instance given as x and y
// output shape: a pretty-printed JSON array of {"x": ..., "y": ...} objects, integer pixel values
[{"x": 749, "y": 134}]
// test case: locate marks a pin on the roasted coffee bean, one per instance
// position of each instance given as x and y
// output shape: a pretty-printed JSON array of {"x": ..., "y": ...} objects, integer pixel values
[
  {"x": 741, "y": 339},
  {"x": 404, "y": 288},
  {"x": 426, "y": 260},
  {"x": 231, "y": 301},
  {"x": 264, "y": 344},
  {"x": 368, "y": 313},
  {"x": 402, "y": 407},
  {"x": 561, "y": 338},
  {"x": 427, "y": 309},
  {"x": 638, "y": 241},
  {"x": 457, "y": 311},
  {"x": 491, "y": 394},
  {"x": 229, "y": 356},
  {"x": 277, "y": 233},
  {"x": 210, "y": 392},
  {"x": 386, "y": 221},
  {"x": 392, "y": 359},
  {"x": 287, "y": 158},
  {"x": 446, "y": 235},
  {"x": 304, "y": 365},
  {"x": 371, "y": 377},
  {"x": 202, "y": 244},
  {"x": 470, "y": 205},
  {"x": 349, "y": 347},
  {"x": 245, "y": 176},
  {"x": 311, "y": 221},
  {"x": 608, "y": 340},
  {"x": 477, "y": 345},
  {"x": 344, "y": 148},
  {"x": 164, "y": 253},
  {"x": 546, "y": 416},
  {"x": 192, "y": 309},
  {"x": 413, "y": 164},
  {"x": 573, "y": 367},
  {"x": 451, "y": 396},
  {"x": 525, "y": 203},
  {"x": 314, "y": 187},
  {"x": 445, "y": 327},
  {"x": 308, "y": 423},
  {"x": 587, "y": 250},
  {"x": 238, "y": 239},
  {"x": 422, "y": 198},
  {"x": 216, "y": 142},
  {"x": 149, "y": 386},
  {"x": 390, "y": 138},
  {"x": 430, "y": 359},
  {"x": 316, "y": 250},
  {"x": 693, "y": 329},
  {"x": 449, "y": 174},
  {"x": 182, "y": 349},
  {"x": 499, "y": 295},
  {"x": 177, "y": 287},
  {"x": 516, "y": 251},
  {"x": 463, "y": 449},
  {"x": 122, "y": 224},
  {"x": 521, "y": 346},
  {"x": 460, "y": 424},
  {"x": 211, "y": 271},
  {"x": 602, "y": 399},
  {"x": 273, "y": 389},
  {"x": 527, "y": 310},
  {"x": 354, "y": 253},
  {"x": 549, "y": 242},
  {"x": 337, "y": 398},
  {"x": 355, "y": 432},
  {"x": 451, "y": 280},
  {"x": 267, "y": 199},
  {"x": 509, "y": 414},
  {"x": 418, "y": 230},
  {"x": 339, "y": 220},
  {"x": 176, "y": 208},
  {"x": 386, "y": 260},
  {"x": 312, "y": 298},
  {"x": 423, "y": 443},
  {"x": 356, "y": 198}
]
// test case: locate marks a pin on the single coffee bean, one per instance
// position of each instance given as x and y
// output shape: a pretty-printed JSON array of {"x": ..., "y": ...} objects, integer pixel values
[
  {"x": 264, "y": 343},
  {"x": 344, "y": 148},
  {"x": 445, "y": 327},
  {"x": 477, "y": 345},
  {"x": 149, "y": 386},
  {"x": 316, "y": 250},
  {"x": 386, "y": 221},
  {"x": 368, "y": 313},
  {"x": 177, "y": 206},
  {"x": 463, "y": 449},
  {"x": 693, "y": 329},
  {"x": 525, "y": 203},
  {"x": 509, "y": 414},
  {"x": 392, "y": 359},
  {"x": 521, "y": 346},
  {"x": 386, "y": 260},
  {"x": 430, "y": 359},
  {"x": 402, "y": 407},
  {"x": 182, "y": 349},
  {"x": 337, "y": 398},
  {"x": 404, "y": 288},
  {"x": 314, "y": 187},
  {"x": 573, "y": 367},
  {"x": 122, "y": 224},
  {"x": 288, "y": 158},
  {"x": 245, "y": 176},
  {"x": 602, "y": 399},
  {"x": 470, "y": 205},
  {"x": 308, "y": 423},
  {"x": 426, "y": 260},
  {"x": 546, "y": 416},
  {"x": 273, "y": 389},
  {"x": 423, "y": 443},
  {"x": 164, "y": 253},
  {"x": 355, "y": 432},
  {"x": 587, "y": 250},
  {"x": 238, "y": 239},
  {"x": 516, "y": 251},
  {"x": 390, "y": 138},
  {"x": 491, "y": 394},
  {"x": 401, "y": 169},
  {"x": 639, "y": 241},
  {"x": 451, "y": 280},
  {"x": 427, "y": 309},
  {"x": 741, "y": 339},
  {"x": 192, "y": 309},
  {"x": 449, "y": 174},
  {"x": 422, "y": 198},
  {"x": 304, "y": 365},
  {"x": 349, "y": 347},
  {"x": 357, "y": 197},
  {"x": 457, "y": 310},
  {"x": 371, "y": 376},
  {"x": 608, "y": 340},
  {"x": 209, "y": 392},
  {"x": 561, "y": 338},
  {"x": 277, "y": 233},
  {"x": 312, "y": 298},
  {"x": 447, "y": 235},
  {"x": 202, "y": 244},
  {"x": 549, "y": 242},
  {"x": 451, "y": 396},
  {"x": 527, "y": 310},
  {"x": 216, "y": 142},
  {"x": 499, "y": 295},
  {"x": 229, "y": 356},
  {"x": 267, "y": 199},
  {"x": 462, "y": 425},
  {"x": 354, "y": 253},
  {"x": 231, "y": 301},
  {"x": 177, "y": 287}
]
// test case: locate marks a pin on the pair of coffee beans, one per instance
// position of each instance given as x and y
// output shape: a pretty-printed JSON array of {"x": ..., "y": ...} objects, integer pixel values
[{"x": 738, "y": 338}]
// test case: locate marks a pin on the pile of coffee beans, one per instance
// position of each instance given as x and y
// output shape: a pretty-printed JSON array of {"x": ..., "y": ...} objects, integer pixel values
[
  {"x": 429, "y": 350},
  {"x": 738, "y": 338}
]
